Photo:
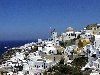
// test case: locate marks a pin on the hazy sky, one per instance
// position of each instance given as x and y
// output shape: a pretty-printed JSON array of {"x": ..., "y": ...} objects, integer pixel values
[{"x": 29, "y": 19}]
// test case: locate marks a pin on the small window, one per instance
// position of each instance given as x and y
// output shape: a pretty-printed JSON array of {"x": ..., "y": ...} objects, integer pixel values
[
  {"x": 35, "y": 65},
  {"x": 46, "y": 66},
  {"x": 42, "y": 65},
  {"x": 98, "y": 65},
  {"x": 54, "y": 58},
  {"x": 27, "y": 72},
  {"x": 99, "y": 52}
]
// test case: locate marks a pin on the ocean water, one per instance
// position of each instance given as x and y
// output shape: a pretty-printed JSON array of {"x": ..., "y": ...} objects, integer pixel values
[{"x": 5, "y": 45}]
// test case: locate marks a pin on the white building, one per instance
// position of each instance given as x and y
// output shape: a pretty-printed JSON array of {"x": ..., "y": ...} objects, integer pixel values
[
  {"x": 10, "y": 73},
  {"x": 54, "y": 38},
  {"x": 93, "y": 57},
  {"x": 86, "y": 35},
  {"x": 37, "y": 65},
  {"x": 97, "y": 41},
  {"x": 69, "y": 51},
  {"x": 49, "y": 48},
  {"x": 39, "y": 40},
  {"x": 69, "y": 34},
  {"x": 54, "y": 35},
  {"x": 96, "y": 64}
]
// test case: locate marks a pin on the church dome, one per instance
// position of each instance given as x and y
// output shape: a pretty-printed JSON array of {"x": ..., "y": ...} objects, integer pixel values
[{"x": 69, "y": 29}]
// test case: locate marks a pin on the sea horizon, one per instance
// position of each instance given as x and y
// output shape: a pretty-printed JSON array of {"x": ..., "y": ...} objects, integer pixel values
[{"x": 7, "y": 44}]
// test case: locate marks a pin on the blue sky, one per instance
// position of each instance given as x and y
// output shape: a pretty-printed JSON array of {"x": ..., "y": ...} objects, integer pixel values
[{"x": 31, "y": 19}]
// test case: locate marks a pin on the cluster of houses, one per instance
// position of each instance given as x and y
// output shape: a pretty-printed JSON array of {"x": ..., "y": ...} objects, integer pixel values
[{"x": 36, "y": 58}]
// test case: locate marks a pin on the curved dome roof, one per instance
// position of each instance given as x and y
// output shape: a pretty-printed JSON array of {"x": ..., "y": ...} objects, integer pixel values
[{"x": 69, "y": 29}]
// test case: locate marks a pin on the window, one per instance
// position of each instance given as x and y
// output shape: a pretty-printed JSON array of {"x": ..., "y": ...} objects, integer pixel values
[
  {"x": 99, "y": 32},
  {"x": 72, "y": 34},
  {"x": 54, "y": 58},
  {"x": 95, "y": 44},
  {"x": 42, "y": 65},
  {"x": 98, "y": 65},
  {"x": 57, "y": 40},
  {"x": 27, "y": 72},
  {"x": 75, "y": 35},
  {"x": 35, "y": 65},
  {"x": 46, "y": 66}
]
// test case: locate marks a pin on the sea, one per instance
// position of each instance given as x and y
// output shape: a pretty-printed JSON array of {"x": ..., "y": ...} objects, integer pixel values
[{"x": 5, "y": 45}]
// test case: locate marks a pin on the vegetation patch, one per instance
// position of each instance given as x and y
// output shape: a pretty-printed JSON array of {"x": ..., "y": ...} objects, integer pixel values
[{"x": 64, "y": 69}]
